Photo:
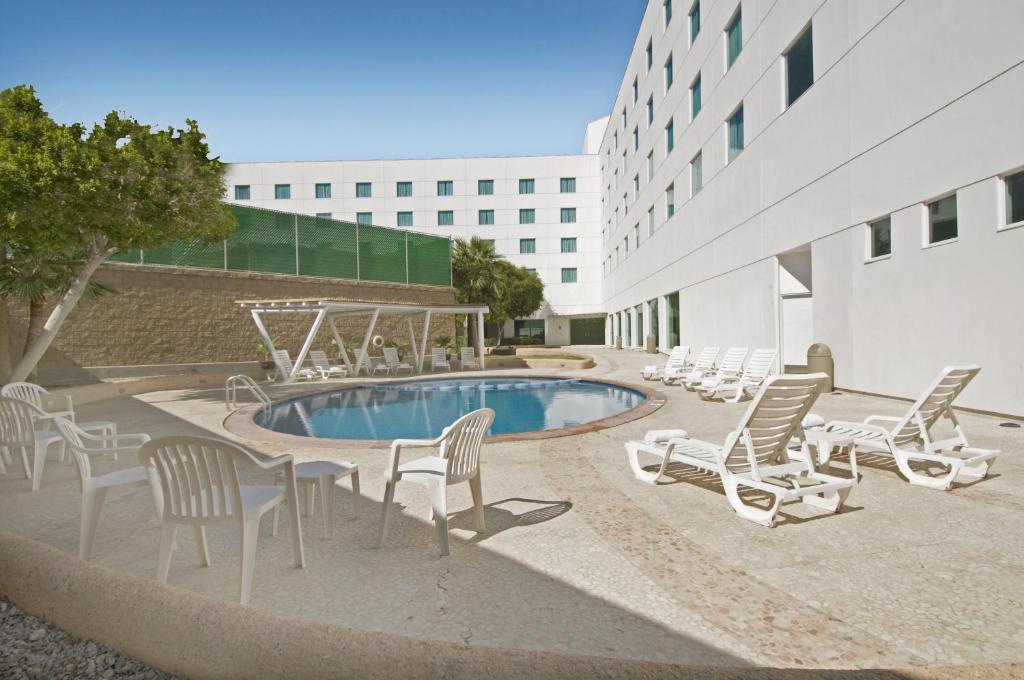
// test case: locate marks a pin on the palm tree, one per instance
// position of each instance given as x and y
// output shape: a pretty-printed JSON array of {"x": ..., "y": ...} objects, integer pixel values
[{"x": 475, "y": 274}]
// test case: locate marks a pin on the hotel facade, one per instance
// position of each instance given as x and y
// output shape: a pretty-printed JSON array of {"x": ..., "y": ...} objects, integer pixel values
[{"x": 771, "y": 174}]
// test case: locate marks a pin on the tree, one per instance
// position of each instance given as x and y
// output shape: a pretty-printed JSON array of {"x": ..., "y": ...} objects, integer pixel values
[
  {"x": 70, "y": 195},
  {"x": 520, "y": 294}
]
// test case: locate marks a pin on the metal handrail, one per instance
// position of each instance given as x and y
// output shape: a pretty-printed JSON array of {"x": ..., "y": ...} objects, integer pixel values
[{"x": 231, "y": 386}]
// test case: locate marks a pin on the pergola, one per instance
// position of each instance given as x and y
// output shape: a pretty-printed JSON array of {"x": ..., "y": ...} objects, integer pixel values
[{"x": 326, "y": 310}]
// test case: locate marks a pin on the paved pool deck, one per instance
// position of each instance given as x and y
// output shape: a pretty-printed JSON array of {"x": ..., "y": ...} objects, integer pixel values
[{"x": 581, "y": 557}]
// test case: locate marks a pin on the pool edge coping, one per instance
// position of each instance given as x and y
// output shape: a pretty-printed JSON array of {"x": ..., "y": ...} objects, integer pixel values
[{"x": 242, "y": 423}]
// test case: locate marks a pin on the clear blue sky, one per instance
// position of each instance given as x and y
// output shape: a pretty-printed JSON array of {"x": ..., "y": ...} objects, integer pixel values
[{"x": 325, "y": 80}]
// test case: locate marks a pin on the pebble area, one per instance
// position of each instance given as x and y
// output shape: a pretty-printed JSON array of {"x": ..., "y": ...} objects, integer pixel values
[{"x": 31, "y": 649}]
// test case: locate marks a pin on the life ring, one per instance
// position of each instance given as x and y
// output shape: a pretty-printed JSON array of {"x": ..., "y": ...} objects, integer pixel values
[{"x": 378, "y": 341}]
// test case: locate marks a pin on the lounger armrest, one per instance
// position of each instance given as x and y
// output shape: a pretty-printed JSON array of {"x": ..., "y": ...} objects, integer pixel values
[
  {"x": 884, "y": 419},
  {"x": 118, "y": 441}
]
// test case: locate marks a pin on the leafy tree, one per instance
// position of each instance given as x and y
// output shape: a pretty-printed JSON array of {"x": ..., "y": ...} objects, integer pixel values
[{"x": 72, "y": 195}]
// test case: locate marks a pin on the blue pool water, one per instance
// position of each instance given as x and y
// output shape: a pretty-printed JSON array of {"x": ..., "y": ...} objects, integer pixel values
[{"x": 421, "y": 409}]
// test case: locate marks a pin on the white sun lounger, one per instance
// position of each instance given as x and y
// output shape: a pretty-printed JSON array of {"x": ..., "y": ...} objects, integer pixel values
[
  {"x": 705, "y": 362},
  {"x": 285, "y": 365},
  {"x": 323, "y": 366},
  {"x": 439, "y": 359},
  {"x": 467, "y": 359},
  {"x": 393, "y": 363},
  {"x": 909, "y": 438},
  {"x": 754, "y": 373},
  {"x": 731, "y": 367},
  {"x": 676, "y": 360},
  {"x": 754, "y": 455}
]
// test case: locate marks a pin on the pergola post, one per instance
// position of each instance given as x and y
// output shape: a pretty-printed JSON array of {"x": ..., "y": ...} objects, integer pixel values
[
  {"x": 412, "y": 339},
  {"x": 341, "y": 345},
  {"x": 480, "y": 338},
  {"x": 423, "y": 340},
  {"x": 262, "y": 330},
  {"x": 313, "y": 330},
  {"x": 362, "y": 358}
]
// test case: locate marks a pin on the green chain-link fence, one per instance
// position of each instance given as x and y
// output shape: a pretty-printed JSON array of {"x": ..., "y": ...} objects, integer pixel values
[{"x": 288, "y": 243}]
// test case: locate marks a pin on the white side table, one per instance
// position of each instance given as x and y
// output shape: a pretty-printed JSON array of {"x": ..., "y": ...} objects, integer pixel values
[
  {"x": 326, "y": 473},
  {"x": 824, "y": 442}
]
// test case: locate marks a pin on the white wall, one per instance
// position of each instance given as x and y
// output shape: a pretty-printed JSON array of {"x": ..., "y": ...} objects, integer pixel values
[{"x": 911, "y": 100}]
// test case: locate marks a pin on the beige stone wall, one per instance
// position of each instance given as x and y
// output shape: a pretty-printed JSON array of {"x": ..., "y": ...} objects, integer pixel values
[{"x": 163, "y": 315}]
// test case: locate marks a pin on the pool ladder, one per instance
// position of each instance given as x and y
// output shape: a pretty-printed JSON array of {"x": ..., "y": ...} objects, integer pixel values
[{"x": 234, "y": 383}]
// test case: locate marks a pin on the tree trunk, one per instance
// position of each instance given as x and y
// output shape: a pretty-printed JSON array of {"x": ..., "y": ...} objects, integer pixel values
[
  {"x": 5, "y": 341},
  {"x": 35, "y": 351},
  {"x": 36, "y": 320}
]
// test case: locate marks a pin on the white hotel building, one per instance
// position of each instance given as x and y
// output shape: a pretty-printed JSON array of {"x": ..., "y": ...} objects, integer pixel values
[{"x": 772, "y": 174}]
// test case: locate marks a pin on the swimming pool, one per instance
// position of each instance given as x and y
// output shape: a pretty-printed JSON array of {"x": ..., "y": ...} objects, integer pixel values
[{"x": 422, "y": 408}]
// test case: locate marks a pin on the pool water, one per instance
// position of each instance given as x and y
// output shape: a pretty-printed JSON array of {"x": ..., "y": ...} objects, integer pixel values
[{"x": 421, "y": 409}]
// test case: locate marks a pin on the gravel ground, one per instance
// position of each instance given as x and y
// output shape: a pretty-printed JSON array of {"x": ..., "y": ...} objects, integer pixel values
[{"x": 32, "y": 649}]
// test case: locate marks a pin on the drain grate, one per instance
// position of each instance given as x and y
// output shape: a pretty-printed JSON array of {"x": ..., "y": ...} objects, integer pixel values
[{"x": 1009, "y": 425}]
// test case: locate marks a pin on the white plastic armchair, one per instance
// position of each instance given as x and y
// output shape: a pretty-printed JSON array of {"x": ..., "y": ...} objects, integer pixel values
[
  {"x": 200, "y": 485},
  {"x": 439, "y": 359},
  {"x": 467, "y": 359},
  {"x": 83, "y": 447},
  {"x": 457, "y": 461},
  {"x": 49, "y": 405},
  {"x": 754, "y": 374},
  {"x": 908, "y": 438},
  {"x": 18, "y": 436},
  {"x": 754, "y": 456}
]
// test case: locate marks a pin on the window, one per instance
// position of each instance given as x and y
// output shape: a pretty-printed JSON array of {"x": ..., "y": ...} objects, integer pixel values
[
  {"x": 485, "y": 217},
  {"x": 324, "y": 216},
  {"x": 485, "y": 187},
  {"x": 735, "y": 134},
  {"x": 618, "y": 259},
  {"x": 282, "y": 191},
  {"x": 942, "y": 220},
  {"x": 734, "y": 38},
  {"x": 567, "y": 185},
  {"x": 527, "y": 246},
  {"x": 569, "y": 244},
  {"x": 623, "y": 116},
  {"x": 670, "y": 200},
  {"x": 636, "y": 235},
  {"x": 363, "y": 190},
  {"x": 650, "y": 166},
  {"x": 670, "y": 136},
  {"x": 445, "y": 218},
  {"x": 695, "y": 97},
  {"x": 403, "y": 189},
  {"x": 530, "y": 328},
  {"x": 532, "y": 270},
  {"x": 568, "y": 215},
  {"x": 636, "y": 186},
  {"x": 879, "y": 238},
  {"x": 526, "y": 186},
  {"x": 1014, "y": 198},
  {"x": 526, "y": 216},
  {"x": 650, "y": 54},
  {"x": 242, "y": 192},
  {"x": 694, "y": 21},
  {"x": 650, "y": 220},
  {"x": 364, "y": 218},
  {"x": 489, "y": 242},
  {"x": 405, "y": 219},
  {"x": 625, "y": 246},
  {"x": 323, "y": 190},
  {"x": 445, "y": 187},
  {"x": 569, "y": 275},
  {"x": 668, "y": 12},
  {"x": 668, "y": 73},
  {"x": 615, "y": 139},
  {"x": 799, "y": 67},
  {"x": 636, "y": 139},
  {"x": 650, "y": 110},
  {"x": 636, "y": 90},
  {"x": 696, "y": 174}
]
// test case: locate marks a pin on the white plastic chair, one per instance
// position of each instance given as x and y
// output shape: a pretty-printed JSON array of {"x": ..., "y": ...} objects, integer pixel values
[
  {"x": 467, "y": 359},
  {"x": 754, "y": 374},
  {"x": 908, "y": 439},
  {"x": 323, "y": 366},
  {"x": 83, "y": 447},
  {"x": 49, "y": 406},
  {"x": 731, "y": 367},
  {"x": 754, "y": 455},
  {"x": 18, "y": 436},
  {"x": 457, "y": 461},
  {"x": 200, "y": 485},
  {"x": 705, "y": 361},
  {"x": 676, "y": 361},
  {"x": 439, "y": 359},
  {"x": 392, "y": 363}
]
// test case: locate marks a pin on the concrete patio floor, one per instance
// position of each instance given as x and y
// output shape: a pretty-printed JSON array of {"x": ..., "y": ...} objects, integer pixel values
[{"x": 580, "y": 557}]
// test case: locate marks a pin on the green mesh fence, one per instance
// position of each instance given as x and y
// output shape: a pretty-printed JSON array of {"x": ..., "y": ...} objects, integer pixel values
[{"x": 288, "y": 243}]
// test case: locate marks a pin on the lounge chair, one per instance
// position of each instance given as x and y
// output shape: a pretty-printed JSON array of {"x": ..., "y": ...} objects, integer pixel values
[
  {"x": 200, "y": 484},
  {"x": 731, "y": 367},
  {"x": 393, "y": 364},
  {"x": 84, "y": 447},
  {"x": 754, "y": 373},
  {"x": 439, "y": 359},
  {"x": 323, "y": 366},
  {"x": 363, "y": 363},
  {"x": 754, "y": 455},
  {"x": 457, "y": 460},
  {"x": 676, "y": 360},
  {"x": 908, "y": 439},
  {"x": 467, "y": 359},
  {"x": 705, "y": 362},
  {"x": 285, "y": 366}
]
